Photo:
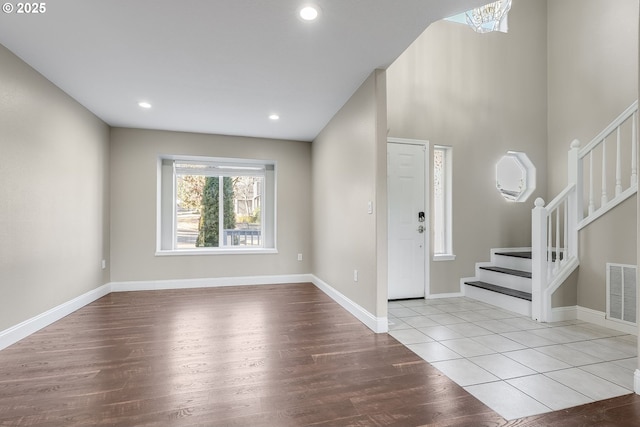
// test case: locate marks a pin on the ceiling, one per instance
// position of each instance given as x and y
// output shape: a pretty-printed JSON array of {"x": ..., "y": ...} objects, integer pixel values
[{"x": 218, "y": 66}]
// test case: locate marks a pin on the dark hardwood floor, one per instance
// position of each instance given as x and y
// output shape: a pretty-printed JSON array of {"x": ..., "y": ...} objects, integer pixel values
[{"x": 284, "y": 355}]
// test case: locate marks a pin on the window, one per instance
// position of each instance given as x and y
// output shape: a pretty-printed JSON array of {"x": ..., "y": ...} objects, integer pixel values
[
  {"x": 215, "y": 205},
  {"x": 442, "y": 203}
]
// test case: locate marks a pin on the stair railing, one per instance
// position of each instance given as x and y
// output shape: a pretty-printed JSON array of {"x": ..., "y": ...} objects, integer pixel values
[
  {"x": 625, "y": 130},
  {"x": 555, "y": 227}
]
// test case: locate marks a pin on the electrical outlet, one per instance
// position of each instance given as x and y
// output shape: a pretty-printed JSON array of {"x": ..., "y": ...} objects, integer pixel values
[
  {"x": 104, "y": 264},
  {"x": 355, "y": 275},
  {"x": 299, "y": 257}
]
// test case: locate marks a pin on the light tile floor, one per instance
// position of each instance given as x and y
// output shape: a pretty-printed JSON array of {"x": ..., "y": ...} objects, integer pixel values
[{"x": 514, "y": 365}]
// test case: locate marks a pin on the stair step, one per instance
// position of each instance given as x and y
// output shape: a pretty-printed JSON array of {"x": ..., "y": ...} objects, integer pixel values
[
  {"x": 523, "y": 254},
  {"x": 527, "y": 255},
  {"x": 500, "y": 289},
  {"x": 509, "y": 271}
]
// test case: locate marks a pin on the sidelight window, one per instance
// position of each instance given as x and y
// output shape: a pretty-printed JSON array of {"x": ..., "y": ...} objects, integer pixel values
[{"x": 442, "y": 204}]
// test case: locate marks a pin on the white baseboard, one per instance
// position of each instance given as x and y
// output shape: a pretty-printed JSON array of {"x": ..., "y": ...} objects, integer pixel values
[
  {"x": 599, "y": 318},
  {"x": 449, "y": 295},
  {"x": 376, "y": 324},
  {"x": 560, "y": 314},
  {"x": 22, "y": 330},
  {"x": 155, "y": 285}
]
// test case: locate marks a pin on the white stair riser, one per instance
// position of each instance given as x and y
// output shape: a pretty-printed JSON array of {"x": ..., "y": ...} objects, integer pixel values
[
  {"x": 514, "y": 263},
  {"x": 505, "y": 302},
  {"x": 506, "y": 280}
]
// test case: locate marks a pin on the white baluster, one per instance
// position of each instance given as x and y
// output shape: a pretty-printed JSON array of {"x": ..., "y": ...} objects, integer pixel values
[
  {"x": 618, "y": 164},
  {"x": 549, "y": 247},
  {"x": 604, "y": 199},
  {"x": 565, "y": 252},
  {"x": 634, "y": 150},
  {"x": 557, "y": 266},
  {"x": 592, "y": 203}
]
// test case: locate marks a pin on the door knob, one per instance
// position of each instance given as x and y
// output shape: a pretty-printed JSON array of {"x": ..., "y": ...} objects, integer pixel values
[{"x": 421, "y": 229}]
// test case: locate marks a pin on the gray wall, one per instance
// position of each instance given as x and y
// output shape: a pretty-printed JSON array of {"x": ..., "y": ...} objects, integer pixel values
[
  {"x": 483, "y": 95},
  {"x": 134, "y": 155},
  {"x": 54, "y": 207},
  {"x": 593, "y": 77},
  {"x": 349, "y": 170}
]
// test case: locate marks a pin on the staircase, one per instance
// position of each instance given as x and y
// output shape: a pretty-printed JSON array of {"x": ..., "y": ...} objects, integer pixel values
[
  {"x": 505, "y": 281},
  {"x": 524, "y": 279}
]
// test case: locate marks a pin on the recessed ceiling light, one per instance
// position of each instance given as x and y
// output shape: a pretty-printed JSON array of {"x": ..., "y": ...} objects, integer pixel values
[
  {"x": 144, "y": 104},
  {"x": 274, "y": 117},
  {"x": 309, "y": 13}
]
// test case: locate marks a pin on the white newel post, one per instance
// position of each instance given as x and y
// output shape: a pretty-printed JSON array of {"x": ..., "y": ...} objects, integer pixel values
[{"x": 538, "y": 261}]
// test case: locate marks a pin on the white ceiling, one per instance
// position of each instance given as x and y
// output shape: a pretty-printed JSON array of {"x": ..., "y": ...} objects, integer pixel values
[{"x": 217, "y": 66}]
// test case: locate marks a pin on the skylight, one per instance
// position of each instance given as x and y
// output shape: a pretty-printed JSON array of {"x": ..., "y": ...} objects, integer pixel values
[{"x": 487, "y": 18}]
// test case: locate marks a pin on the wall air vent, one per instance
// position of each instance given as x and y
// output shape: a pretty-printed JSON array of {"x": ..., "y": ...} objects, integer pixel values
[{"x": 622, "y": 293}]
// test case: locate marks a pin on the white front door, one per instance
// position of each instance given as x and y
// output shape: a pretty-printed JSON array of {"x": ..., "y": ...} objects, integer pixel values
[{"x": 408, "y": 224}]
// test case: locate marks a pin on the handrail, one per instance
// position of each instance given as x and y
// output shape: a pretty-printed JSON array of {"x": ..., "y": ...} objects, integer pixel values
[
  {"x": 560, "y": 197},
  {"x": 609, "y": 129}
]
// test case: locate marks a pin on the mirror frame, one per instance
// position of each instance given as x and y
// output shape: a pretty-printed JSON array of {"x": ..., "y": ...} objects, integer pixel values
[{"x": 515, "y": 176}]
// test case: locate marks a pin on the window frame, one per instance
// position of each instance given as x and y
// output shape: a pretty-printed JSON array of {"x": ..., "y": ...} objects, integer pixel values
[
  {"x": 448, "y": 253},
  {"x": 166, "y": 205}
]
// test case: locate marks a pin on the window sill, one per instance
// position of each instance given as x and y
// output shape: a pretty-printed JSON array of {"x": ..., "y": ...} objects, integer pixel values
[
  {"x": 444, "y": 257},
  {"x": 189, "y": 252}
]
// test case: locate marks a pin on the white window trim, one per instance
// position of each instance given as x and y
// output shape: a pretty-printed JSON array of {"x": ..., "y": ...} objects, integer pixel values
[
  {"x": 449, "y": 255},
  {"x": 444, "y": 257},
  {"x": 269, "y": 215},
  {"x": 208, "y": 251}
]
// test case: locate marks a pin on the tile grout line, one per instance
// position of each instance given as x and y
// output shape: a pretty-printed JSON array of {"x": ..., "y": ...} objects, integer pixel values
[{"x": 478, "y": 306}]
